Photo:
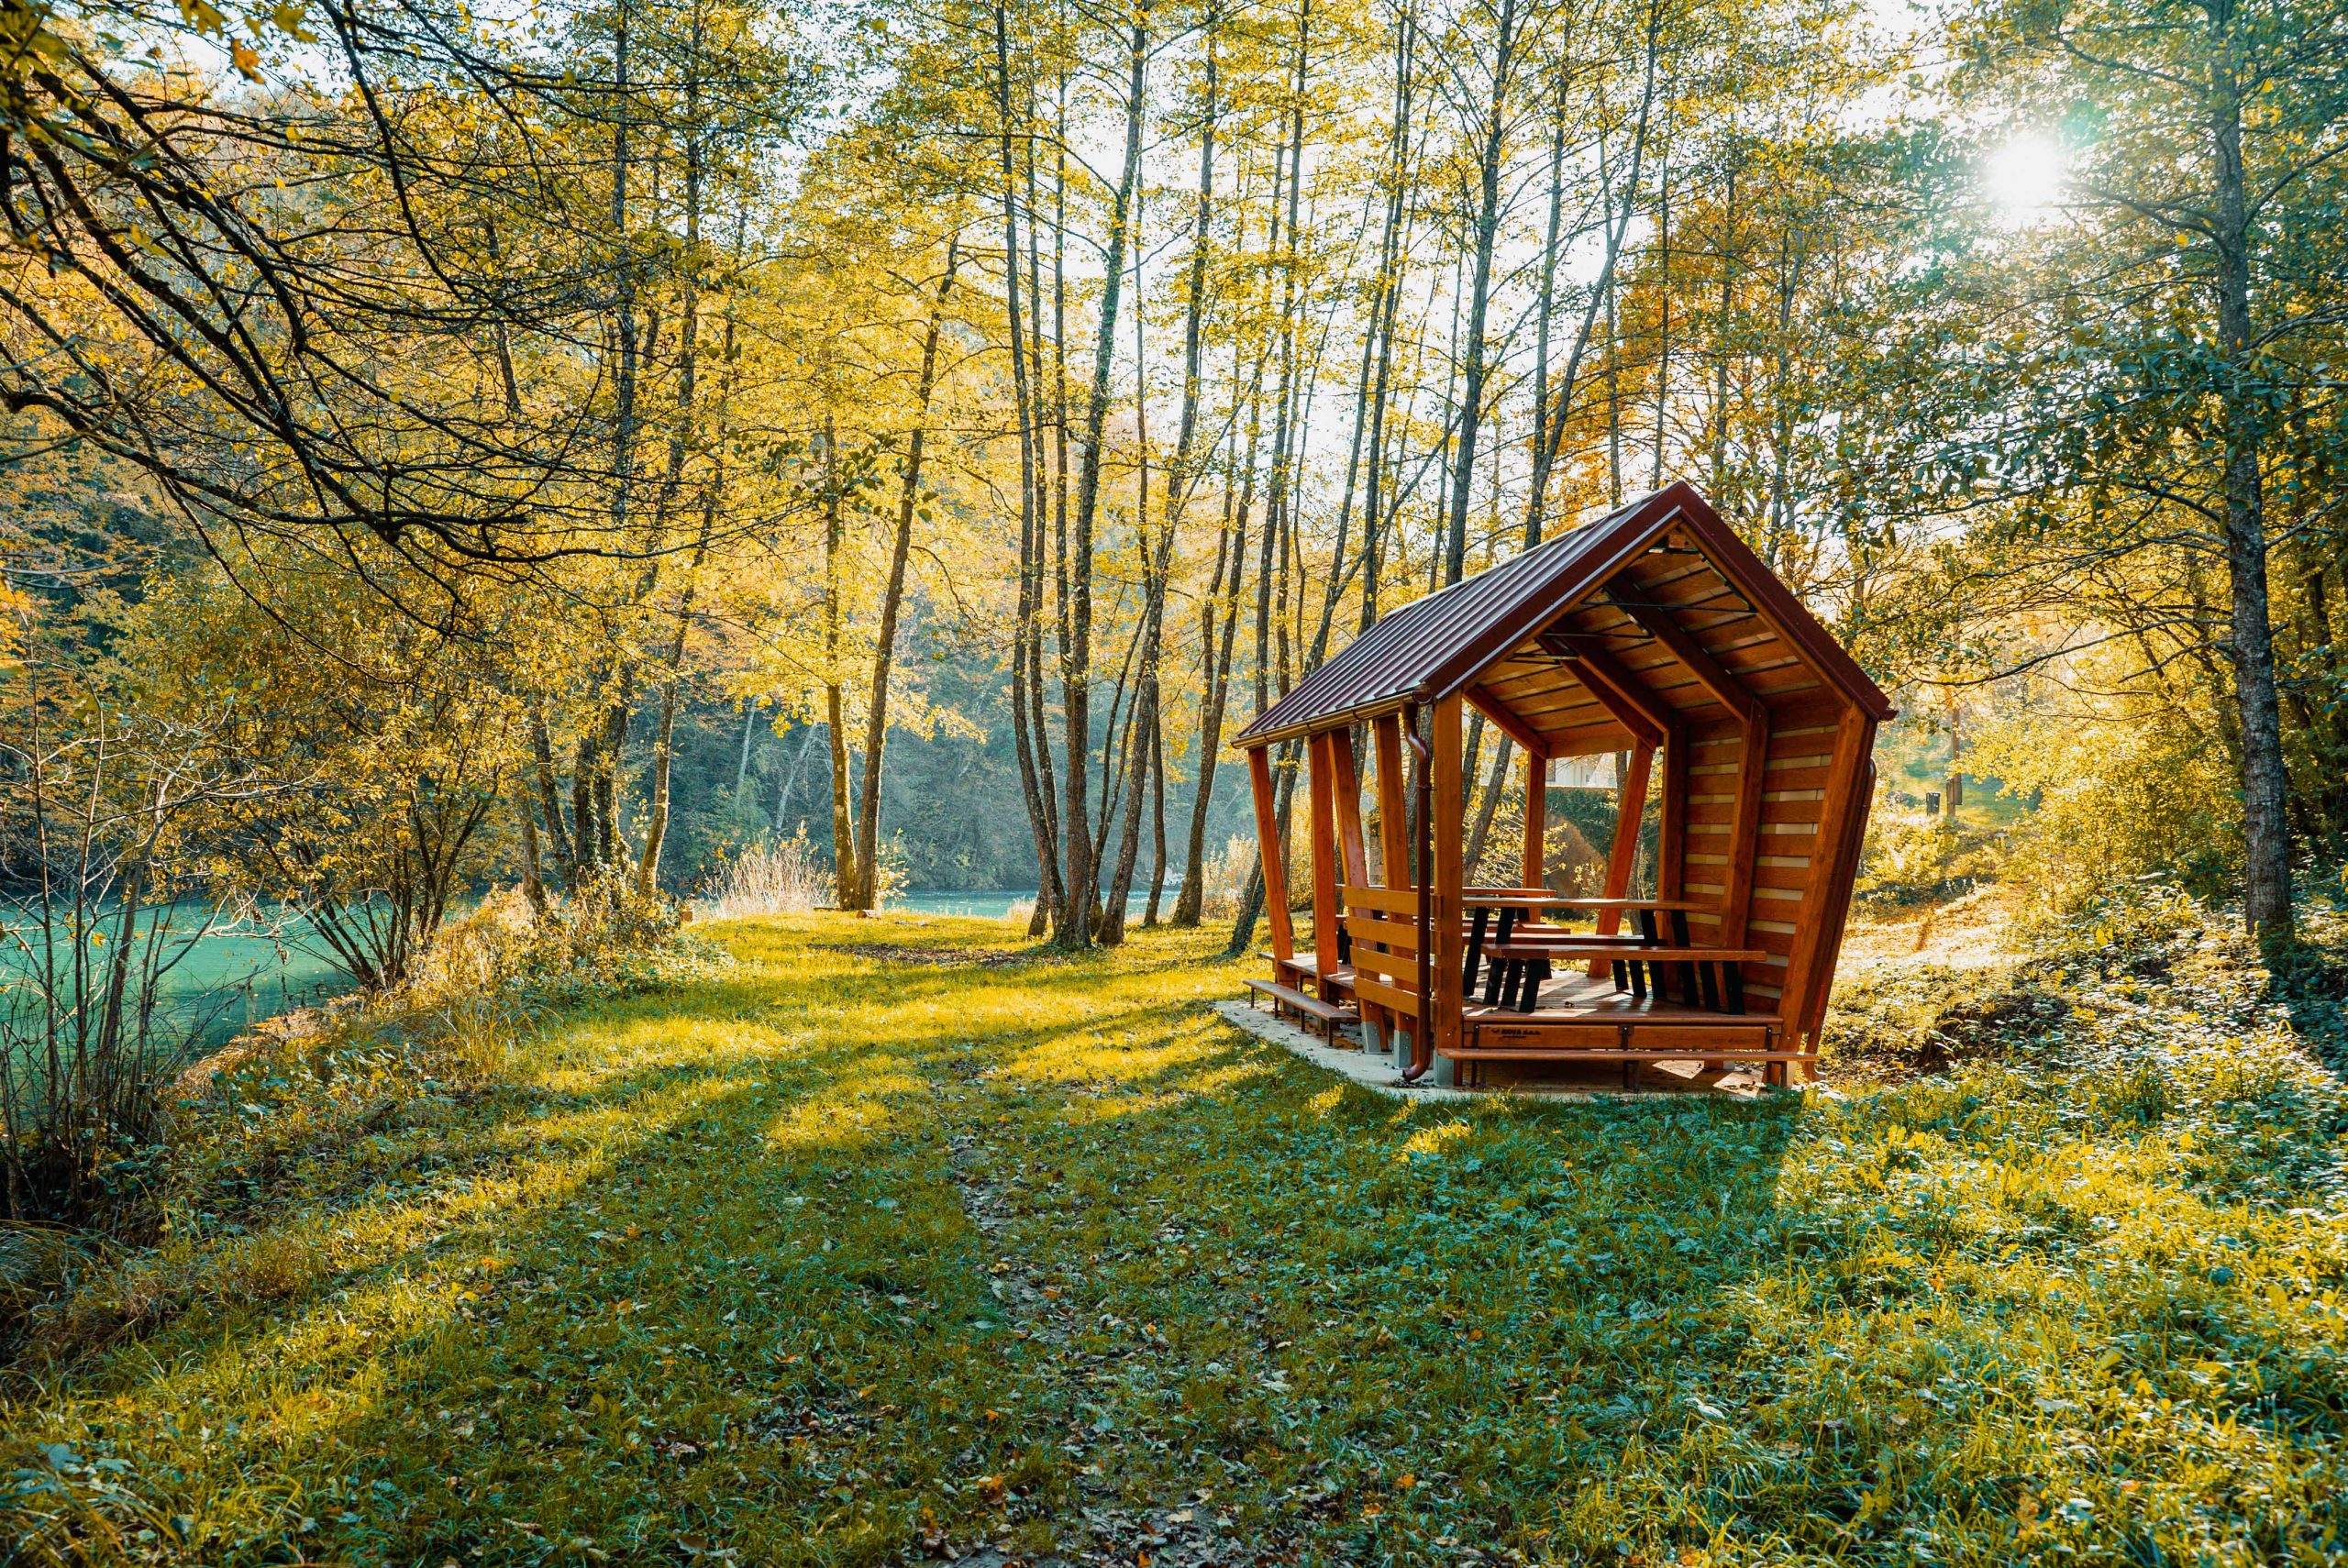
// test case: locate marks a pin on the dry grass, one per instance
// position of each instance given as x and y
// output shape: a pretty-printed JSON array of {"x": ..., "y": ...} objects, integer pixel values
[{"x": 766, "y": 879}]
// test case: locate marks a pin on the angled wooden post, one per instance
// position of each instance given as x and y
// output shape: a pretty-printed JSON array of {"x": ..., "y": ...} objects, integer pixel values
[
  {"x": 1268, "y": 855},
  {"x": 1393, "y": 832},
  {"x": 1630, "y": 811},
  {"x": 1536, "y": 817},
  {"x": 1393, "y": 801},
  {"x": 1353, "y": 854},
  {"x": 1449, "y": 881},
  {"x": 1671, "y": 845},
  {"x": 1809, "y": 967},
  {"x": 1325, "y": 866}
]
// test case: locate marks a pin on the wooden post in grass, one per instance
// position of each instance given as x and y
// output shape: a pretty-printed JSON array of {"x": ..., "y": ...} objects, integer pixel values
[
  {"x": 1448, "y": 883},
  {"x": 1352, "y": 852},
  {"x": 1325, "y": 866},
  {"x": 1268, "y": 841}
]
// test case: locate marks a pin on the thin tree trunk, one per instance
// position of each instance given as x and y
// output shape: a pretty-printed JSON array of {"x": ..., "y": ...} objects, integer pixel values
[
  {"x": 1079, "y": 878},
  {"x": 876, "y": 723},
  {"x": 1034, "y": 771},
  {"x": 542, "y": 765},
  {"x": 1157, "y": 817},
  {"x": 1487, "y": 217},
  {"x": 1140, "y": 750},
  {"x": 2266, "y": 839},
  {"x": 1663, "y": 333},
  {"x": 655, "y": 828},
  {"x": 835, "y": 697}
]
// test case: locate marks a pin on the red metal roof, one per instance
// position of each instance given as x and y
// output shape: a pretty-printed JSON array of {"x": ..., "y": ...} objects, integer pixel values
[{"x": 1433, "y": 647}]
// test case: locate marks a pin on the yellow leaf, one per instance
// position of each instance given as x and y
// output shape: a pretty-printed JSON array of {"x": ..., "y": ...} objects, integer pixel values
[{"x": 248, "y": 61}]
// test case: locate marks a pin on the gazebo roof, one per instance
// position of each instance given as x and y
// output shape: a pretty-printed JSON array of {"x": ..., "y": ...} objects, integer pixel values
[{"x": 1437, "y": 645}]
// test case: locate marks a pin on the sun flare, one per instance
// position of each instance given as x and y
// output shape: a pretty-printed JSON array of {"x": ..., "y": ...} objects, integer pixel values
[{"x": 2025, "y": 178}]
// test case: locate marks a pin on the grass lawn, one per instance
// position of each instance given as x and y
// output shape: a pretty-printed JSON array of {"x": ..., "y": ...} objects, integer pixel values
[{"x": 840, "y": 1256}]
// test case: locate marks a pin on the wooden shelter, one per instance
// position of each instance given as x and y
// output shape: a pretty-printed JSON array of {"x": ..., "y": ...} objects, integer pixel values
[{"x": 1655, "y": 633}]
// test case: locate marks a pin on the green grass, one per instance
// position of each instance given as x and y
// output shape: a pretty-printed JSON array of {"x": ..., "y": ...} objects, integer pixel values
[{"x": 833, "y": 1258}]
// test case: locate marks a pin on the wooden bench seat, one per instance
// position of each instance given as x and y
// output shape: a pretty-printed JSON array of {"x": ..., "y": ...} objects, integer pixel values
[
  {"x": 1303, "y": 967},
  {"x": 1328, "y": 1014}
]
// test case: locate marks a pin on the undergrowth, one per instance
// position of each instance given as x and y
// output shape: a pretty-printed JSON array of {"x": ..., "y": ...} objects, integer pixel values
[
  {"x": 262, "y": 1122},
  {"x": 832, "y": 1257}
]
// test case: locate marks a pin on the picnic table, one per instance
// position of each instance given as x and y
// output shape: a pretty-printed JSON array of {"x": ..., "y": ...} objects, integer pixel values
[{"x": 1516, "y": 961}]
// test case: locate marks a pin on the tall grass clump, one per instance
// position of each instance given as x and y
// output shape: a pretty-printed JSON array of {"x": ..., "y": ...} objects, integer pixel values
[
  {"x": 1225, "y": 877},
  {"x": 766, "y": 879}
]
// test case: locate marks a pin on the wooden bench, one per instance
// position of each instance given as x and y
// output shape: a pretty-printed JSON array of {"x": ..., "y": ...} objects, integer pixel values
[
  {"x": 1303, "y": 967},
  {"x": 1329, "y": 1014}
]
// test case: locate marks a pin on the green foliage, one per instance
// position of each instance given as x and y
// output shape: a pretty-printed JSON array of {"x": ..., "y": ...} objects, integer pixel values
[
  {"x": 855, "y": 1253},
  {"x": 2126, "y": 789}
]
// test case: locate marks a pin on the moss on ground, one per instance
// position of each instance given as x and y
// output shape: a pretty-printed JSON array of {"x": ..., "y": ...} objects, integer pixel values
[{"x": 840, "y": 1257}]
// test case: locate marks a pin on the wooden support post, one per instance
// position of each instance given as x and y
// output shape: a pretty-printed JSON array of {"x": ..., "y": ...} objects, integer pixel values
[
  {"x": 1393, "y": 827},
  {"x": 1630, "y": 809},
  {"x": 1345, "y": 780},
  {"x": 1745, "y": 840},
  {"x": 1353, "y": 854},
  {"x": 1671, "y": 841},
  {"x": 1832, "y": 865},
  {"x": 1268, "y": 853},
  {"x": 1393, "y": 802},
  {"x": 1536, "y": 816},
  {"x": 1325, "y": 866},
  {"x": 1448, "y": 882}
]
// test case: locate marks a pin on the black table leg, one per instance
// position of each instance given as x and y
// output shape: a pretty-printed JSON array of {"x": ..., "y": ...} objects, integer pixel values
[
  {"x": 1475, "y": 948},
  {"x": 1708, "y": 973},
  {"x": 1498, "y": 975},
  {"x": 1689, "y": 988},
  {"x": 1645, "y": 921},
  {"x": 1528, "y": 984}
]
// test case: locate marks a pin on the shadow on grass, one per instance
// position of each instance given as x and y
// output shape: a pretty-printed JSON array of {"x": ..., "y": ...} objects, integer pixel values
[{"x": 742, "y": 1297}]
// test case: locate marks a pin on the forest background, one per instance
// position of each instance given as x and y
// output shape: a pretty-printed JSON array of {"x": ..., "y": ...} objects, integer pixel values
[{"x": 582, "y": 447}]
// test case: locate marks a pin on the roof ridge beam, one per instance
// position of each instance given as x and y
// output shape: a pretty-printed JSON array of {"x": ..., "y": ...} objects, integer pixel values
[{"x": 1708, "y": 670}]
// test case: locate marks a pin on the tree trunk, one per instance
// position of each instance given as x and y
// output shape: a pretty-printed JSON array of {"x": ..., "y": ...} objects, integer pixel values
[
  {"x": 1079, "y": 880},
  {"x": 835, "y": 700},
  {"x": 1034, "y": 771},
  {"x": 2266, "y": 839},
  {"x": 534, "y": 886},
  {"x": 1488, "y": 218},
  {"x": 876, "y": 721},
  {"x": 1386, "y": 308},
  {"x": 542, "y": 765}
]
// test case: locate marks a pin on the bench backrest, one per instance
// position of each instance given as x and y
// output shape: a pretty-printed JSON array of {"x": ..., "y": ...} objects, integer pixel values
[{"x": 1382, "y": 934}]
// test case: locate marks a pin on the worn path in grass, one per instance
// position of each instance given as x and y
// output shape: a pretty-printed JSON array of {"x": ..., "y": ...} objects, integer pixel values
[{"x": 881, "y": 1247}]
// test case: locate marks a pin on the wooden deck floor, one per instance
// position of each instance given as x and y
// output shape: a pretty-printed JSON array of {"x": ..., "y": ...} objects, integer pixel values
[{"x": 1574, "y": 993}]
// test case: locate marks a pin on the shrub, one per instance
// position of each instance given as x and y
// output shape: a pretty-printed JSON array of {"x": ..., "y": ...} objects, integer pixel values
[{"x": 2126, "y": 789}]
